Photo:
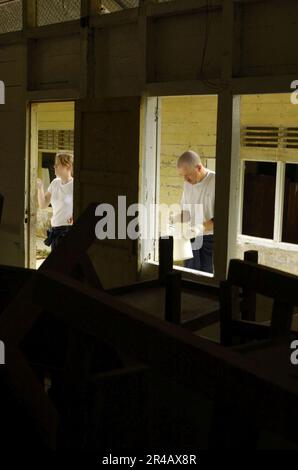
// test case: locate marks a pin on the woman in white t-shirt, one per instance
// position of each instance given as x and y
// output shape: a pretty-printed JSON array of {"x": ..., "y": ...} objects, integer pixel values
[{"x": 60, "y": 195}]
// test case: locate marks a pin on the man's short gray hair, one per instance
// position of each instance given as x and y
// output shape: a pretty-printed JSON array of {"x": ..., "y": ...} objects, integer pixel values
[{"x": 190, "y": 158}]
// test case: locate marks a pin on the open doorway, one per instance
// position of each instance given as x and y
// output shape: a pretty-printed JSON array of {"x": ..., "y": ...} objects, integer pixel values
[
  {"x": 51, "y": 131},
  {"x": 174, "y": 125}
]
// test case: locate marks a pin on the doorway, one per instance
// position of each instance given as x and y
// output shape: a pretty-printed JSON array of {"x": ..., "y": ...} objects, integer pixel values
[
  {"x": 173, "y": 125},
  {"x": 51, "y": 131}
]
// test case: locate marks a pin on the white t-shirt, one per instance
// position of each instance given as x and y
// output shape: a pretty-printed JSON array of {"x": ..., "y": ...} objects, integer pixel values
[
  {"x": 62, "y": 201},
  {"x": 202, "y": 193}
]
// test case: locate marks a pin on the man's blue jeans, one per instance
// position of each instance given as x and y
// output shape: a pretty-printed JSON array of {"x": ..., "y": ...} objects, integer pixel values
[{"x": 203, "y": 258}]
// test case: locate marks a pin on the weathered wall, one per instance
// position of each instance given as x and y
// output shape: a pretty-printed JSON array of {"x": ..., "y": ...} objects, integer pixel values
[
  {"x": 268, "y": 34},
  {"x": 177, "y": 43},
  {"x": 187, "y": 123},
  {"x": 56, "y": 116},
  {"x": 54, "y": 62},
  {"x": 116, "y": 59},
  {"x": 12, "y": 154},
  {"x": 107, "y": 140}
]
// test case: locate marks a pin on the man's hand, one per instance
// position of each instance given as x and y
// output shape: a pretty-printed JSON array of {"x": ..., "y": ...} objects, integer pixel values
[
  {"x": 190, "y": 232},
  {"x": 70, "y": 220},
  {"x": 208, "y": 225},
  {"x": 39, "y": 183},
  {"x": 181, "y": 217}
]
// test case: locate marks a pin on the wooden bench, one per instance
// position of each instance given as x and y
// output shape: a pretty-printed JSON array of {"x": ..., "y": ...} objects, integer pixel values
[{"x": 269, "y": 282}]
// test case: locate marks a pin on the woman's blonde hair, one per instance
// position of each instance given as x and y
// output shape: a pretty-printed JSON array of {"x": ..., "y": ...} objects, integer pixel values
[{"x": 65, "y": 159}]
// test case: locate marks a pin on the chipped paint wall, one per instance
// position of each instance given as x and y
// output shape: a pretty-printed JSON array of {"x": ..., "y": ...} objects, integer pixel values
[{"x": 187, "y": 123}]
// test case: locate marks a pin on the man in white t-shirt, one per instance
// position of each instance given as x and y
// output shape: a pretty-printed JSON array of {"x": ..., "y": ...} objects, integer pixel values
[{"x": 198, "y": 201}]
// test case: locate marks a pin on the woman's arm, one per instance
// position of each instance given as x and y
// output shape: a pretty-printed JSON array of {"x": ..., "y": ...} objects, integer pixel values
[{"x": 43, "y": 198}]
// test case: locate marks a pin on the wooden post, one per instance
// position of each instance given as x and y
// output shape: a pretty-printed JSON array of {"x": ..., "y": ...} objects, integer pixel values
[
  {"x": 173, "y": 297},
  {"x": 29, "y": 14},
  {"x": 229, "y": 311},
  {"x": 165, "y": 249},
  {"x": 249, "y": 301},
  {"x": 281, "y": 320}
]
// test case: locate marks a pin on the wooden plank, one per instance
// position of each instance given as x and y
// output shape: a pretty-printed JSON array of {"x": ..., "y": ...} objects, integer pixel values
[
  {"x": 209, "y": 318},
  {"x": 173, "y": 297},
  {"x": 249, "y": 299},
  {"x": 281, "y": 320},
  {"x": 165, "y": 249},
  {"x": 264, "y": 280},
  {"x": 176, "y": 7}
]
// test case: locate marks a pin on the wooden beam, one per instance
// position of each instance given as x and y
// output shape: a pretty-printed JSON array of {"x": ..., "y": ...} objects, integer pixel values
[
  {"x": 184, "y": 87},
  {"x": 29, "y": 14},
  {"x": 175, "y": 7},
  {"x": 267, "y": 281},
  {"x": 227, "y": 144},
  {"x": 165, "y": 250},
  {"x": 248, "y": 305},
  {"x": 173, "y": 297}
]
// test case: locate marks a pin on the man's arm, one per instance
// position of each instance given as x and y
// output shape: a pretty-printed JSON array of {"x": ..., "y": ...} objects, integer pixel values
[{"x": 208, "y": 225}]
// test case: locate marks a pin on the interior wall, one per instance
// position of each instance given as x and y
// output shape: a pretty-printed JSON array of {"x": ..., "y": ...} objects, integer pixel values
[
  {"x": 54, "y": 62},
  {"x": 12, "y": 154},
  {"x": 193, "y": 39},
  {"x": 268, "y": 35},
  {"x": 107, "y": 164},
  {"x": 56, "y": 115},
  {"x": 116, "y": 69},
  {"x": 187, "y": 123}
]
